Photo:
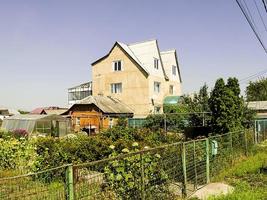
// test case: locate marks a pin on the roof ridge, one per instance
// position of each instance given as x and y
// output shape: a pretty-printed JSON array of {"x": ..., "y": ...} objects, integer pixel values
[
  {"x": 144, "y": 41},
  {"x": 167, "y": 51}
]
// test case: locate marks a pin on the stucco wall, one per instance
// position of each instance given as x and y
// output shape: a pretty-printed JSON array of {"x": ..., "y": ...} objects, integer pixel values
[{"x": 134, "y": 82}]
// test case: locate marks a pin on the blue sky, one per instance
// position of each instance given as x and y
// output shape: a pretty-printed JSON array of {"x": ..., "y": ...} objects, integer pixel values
[{"x": 47, "y": 46}]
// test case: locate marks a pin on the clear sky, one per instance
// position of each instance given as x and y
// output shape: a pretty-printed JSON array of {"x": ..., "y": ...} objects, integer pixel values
[{"x": 47, "y": 46}]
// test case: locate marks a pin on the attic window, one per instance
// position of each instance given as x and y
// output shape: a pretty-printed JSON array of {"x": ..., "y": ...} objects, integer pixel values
[
  {"x": 117, "y": 65},
  {"x": 174, "y": 70},
  {"x": 156, "y": 63}
]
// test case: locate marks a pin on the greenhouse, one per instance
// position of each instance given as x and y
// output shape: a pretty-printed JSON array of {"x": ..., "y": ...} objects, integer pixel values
[{"x": 52, "y": 125}]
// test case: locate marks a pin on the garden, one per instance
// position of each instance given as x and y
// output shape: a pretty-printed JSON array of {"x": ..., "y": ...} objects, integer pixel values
[{"x": 132, "y": 163}]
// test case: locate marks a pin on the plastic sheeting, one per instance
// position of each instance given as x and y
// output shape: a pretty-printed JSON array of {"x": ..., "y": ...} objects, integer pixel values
[{"x": 49, "y": 124}]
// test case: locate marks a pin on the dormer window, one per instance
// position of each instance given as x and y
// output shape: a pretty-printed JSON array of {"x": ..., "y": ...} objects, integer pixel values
[
  {"x": 174, "y": 70},
  {"x": 156, "y": 63},
  {"x": 117, "y": 65}
]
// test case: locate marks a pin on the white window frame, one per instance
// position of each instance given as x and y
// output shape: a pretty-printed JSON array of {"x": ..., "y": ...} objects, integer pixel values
[
  {"x": 110, "y": 122},
  {"x": 171, "y": 89},
  {"x": 156, "y": 63},
  {"x": 174, "y": 70},
  {"x": 78, "y": 121},
  {"x": 115, "y": 68},
  {"x": 156, "y": 87},
  {"x": 115, "y": 89}
]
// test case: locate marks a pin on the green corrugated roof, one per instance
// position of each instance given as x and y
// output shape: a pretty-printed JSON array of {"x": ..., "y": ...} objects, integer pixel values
[{"x": 171, "y": 99}]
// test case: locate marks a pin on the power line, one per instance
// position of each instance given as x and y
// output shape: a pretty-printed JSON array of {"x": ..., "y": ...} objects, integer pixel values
[
  {"x": 260, "y": 15},
  {"x": 253, "y": 76},
  {"x": 264, "y": 3},
  {"x": 251, "y": 18},
  {"x": 251, "y": 24}
]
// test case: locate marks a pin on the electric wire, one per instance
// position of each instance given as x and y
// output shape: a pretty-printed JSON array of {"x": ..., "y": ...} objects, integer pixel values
[
  {"x": 251, "y": 24},
  {"x": 258, "y": 10}
]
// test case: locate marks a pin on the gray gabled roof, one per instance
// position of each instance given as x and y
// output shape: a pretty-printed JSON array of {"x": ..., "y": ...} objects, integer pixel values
[{"x": 107, "y": 104}]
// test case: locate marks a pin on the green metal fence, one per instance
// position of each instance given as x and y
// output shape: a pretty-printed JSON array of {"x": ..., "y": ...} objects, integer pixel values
[
  {"x": 47, "y": 184},
  {"x": 165, "y": 172},
  {"x": 136, "y": 122}
]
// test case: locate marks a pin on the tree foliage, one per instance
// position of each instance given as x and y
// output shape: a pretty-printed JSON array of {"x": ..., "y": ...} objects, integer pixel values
[
  {"x": 227, "y": 106},
  {"x": 257, "y": 91},
  {"x": 198, "y": 106}
]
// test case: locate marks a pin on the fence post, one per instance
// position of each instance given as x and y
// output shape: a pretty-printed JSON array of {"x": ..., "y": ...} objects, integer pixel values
[
  {"x": 195, "y": 166},
  {"x": 69, "y": 180},
  {"x": 255, "y": 132},
  {"x": 165, "y": 124},
  {"x": 246, "y": 143},
  {"x": 207, "y": 160},
  {"x": 184, "y": 193},
  {"x": 142, "y": 177}
]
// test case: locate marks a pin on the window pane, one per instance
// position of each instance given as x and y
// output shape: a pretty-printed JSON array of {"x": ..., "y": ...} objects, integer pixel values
[
  {"x": 174, "y": 70},
  {"x": 119, "y": 65},
  {"x": 156, "y": 63}
]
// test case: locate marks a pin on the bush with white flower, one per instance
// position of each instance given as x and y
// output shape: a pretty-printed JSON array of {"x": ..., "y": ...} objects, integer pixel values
[{"x": 136, "y": 174}]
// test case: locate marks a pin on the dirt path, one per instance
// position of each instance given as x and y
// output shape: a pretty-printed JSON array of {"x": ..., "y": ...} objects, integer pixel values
[{"x": 212, "y": 189}]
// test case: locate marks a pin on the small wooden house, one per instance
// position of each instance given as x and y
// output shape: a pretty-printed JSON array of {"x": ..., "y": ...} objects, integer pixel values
[{"x": 94, "y": 113}]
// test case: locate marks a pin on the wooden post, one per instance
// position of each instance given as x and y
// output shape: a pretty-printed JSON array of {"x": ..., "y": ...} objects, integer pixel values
[
  {"x": 184, "y": 193},
  {"x": 207, "y": 161}
]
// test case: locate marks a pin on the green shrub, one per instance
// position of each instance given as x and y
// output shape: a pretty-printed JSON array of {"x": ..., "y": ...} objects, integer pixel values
[
  {"x": 16, "y": 154},
  {"x": 54, "y": 152},
  {"x": 124, "y": 176}
]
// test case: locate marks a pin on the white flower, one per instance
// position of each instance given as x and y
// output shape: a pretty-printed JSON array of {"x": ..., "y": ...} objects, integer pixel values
[
  {"x": 112, "y": 147},
  {"x": 135, "y": 144},
  {"x": 125, "y": 150}
]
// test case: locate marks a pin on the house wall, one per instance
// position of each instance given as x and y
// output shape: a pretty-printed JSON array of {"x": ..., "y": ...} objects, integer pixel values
[
  {"x": 134, "y": 81},
  {"x": 90, "y": 115},
  {"x": 137, "y": 87}
]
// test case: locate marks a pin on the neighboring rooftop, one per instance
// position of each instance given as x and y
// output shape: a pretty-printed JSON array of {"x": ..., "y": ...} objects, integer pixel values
[
  {"x": 48, "y": 111},
  {"x": 258, "y": 105},
  {"x": 107, "y": 105},
  {"x": 83, "y": 85}
]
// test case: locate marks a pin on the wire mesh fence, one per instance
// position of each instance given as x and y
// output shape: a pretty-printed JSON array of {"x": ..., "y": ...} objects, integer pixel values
[
  {"x": 172, "y": 122},
  {"x": 147, "y": 174},
  {"x": 164, "y": 172},
  {"x": 47, "y": 184}
]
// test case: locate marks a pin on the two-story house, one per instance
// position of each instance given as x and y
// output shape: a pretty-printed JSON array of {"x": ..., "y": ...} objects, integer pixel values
[{"x": 139, "y": 74}]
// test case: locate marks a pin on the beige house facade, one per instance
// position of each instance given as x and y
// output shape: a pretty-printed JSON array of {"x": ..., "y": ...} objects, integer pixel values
[{"x": 139, "y": 75}]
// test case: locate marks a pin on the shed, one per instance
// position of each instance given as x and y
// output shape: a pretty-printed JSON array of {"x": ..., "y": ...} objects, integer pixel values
[
  {"x": 53, "y": 125},
  {"x": 96, "y": 112}
]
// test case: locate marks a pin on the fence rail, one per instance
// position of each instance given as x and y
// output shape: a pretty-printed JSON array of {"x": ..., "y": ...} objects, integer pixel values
[{"x": 164, "y": 172}]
